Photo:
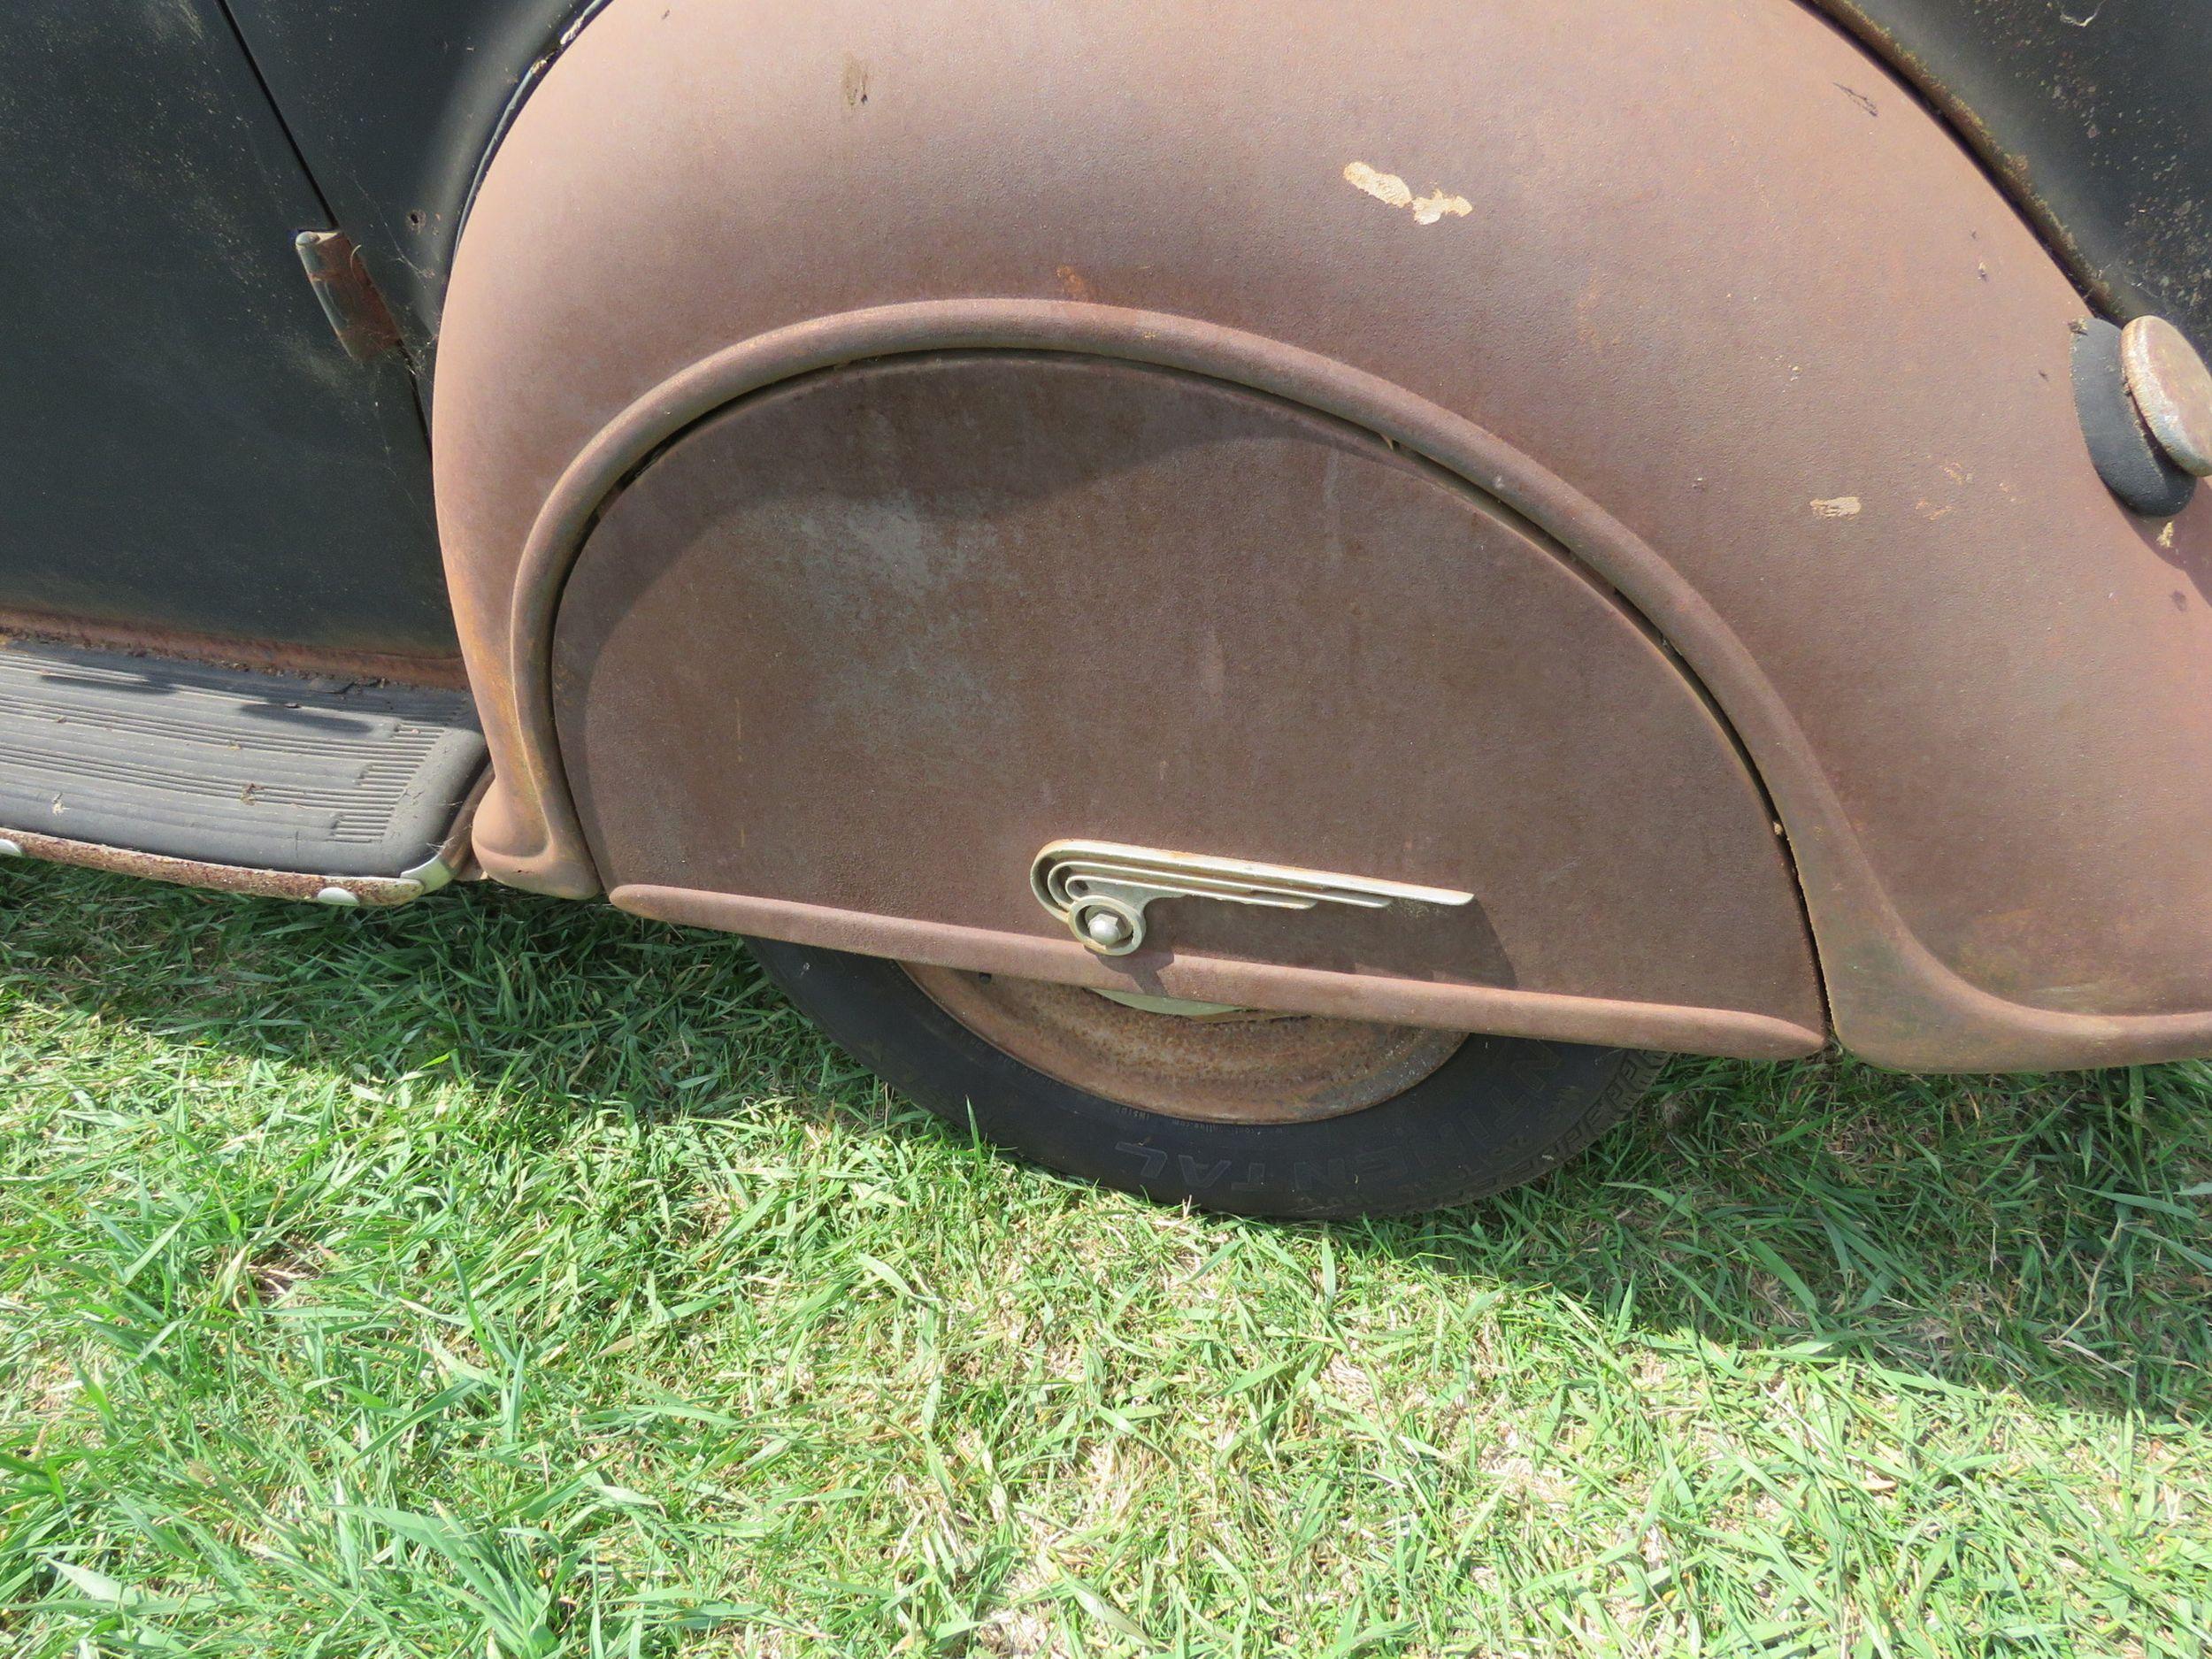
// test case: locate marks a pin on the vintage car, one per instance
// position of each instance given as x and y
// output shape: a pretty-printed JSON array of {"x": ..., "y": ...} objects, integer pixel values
[{"x": 1264, "y": 604}]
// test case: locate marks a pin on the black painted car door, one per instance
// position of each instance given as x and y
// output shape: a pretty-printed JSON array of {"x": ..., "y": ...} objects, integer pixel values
[{"x": 190, "y": 449}]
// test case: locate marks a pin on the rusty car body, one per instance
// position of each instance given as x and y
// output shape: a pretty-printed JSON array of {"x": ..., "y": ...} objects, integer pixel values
[{"x": 1261, "y": 604}]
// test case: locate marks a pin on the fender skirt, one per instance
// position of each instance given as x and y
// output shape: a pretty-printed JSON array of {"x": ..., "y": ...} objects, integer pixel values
[{"x": 1617, "y": 461}]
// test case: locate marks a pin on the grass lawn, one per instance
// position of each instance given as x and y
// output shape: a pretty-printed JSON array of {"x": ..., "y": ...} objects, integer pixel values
[{"x": 502, "y": 1277}]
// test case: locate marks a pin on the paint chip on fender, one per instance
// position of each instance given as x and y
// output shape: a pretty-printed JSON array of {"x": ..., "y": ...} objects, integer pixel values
[
  {"x": 1392, "y": 191},
  {"x": 1841, "y": 507}
]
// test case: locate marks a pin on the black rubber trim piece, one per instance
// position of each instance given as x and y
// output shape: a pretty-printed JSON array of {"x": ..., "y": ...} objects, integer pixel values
[
  {"x": 2126, "y": 456},
  {"x": 264, "y": 771}
]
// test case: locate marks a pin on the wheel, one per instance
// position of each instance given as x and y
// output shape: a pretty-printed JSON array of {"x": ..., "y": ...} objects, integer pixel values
[{"x": 1227, "y": 1109}]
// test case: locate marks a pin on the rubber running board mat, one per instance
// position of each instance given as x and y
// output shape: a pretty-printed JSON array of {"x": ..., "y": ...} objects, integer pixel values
[{"x": 230, "y": 766}]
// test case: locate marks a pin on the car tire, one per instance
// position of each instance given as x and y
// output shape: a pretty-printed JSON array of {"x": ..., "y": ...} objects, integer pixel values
[{"x": 1499, "y": 1111}]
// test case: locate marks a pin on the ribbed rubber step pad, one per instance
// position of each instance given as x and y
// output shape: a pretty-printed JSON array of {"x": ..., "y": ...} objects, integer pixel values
[{"x": 270, "y": 771}]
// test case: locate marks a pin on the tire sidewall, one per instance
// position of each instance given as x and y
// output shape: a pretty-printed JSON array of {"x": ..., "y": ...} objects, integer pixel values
[{"x": 1502, "y": 1111}]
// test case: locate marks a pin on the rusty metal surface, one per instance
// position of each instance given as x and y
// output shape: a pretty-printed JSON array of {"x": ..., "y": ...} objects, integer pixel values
[
  {"x": 377, "y": 891},
  {"x": 446, "y": 674},
  {"x": 1205, "y": 979},
  {"x": 869, "y": 641},
  {"x": 1248, "y": 1068},
  {"x": 357, "y": 311},
  {"x": 2084, "y": 111},
  {"x": 1791, "y": 375}
]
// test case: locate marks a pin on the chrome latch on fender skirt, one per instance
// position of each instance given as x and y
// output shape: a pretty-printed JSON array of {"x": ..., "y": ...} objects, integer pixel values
[{"x": 1101, "y": 889}]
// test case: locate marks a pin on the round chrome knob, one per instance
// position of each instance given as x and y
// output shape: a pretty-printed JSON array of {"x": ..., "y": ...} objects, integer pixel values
[
  {"x": 1105, "y": 929},
  {"x": 1111, "y": 928}
]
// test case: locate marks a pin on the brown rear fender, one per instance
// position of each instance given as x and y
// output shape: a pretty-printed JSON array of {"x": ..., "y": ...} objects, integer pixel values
[{"x": 1591, "y": 327}]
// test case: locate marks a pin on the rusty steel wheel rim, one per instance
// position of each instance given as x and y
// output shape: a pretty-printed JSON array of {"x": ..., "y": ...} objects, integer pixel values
[{"x": 1237, "y": 1065}]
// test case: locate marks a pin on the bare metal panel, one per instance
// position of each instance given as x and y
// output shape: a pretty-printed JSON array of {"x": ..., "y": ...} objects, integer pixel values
[
  {"x": 870, "y": 641},
  {"x": 1790, "y": 376}
]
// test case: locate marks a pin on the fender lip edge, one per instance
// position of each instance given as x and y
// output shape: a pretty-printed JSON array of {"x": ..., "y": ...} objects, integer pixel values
[{"x": 1495, "y": 1010}]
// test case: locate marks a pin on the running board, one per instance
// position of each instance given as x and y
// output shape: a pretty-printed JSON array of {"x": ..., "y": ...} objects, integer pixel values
[{"x": 347, "y": 792}]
